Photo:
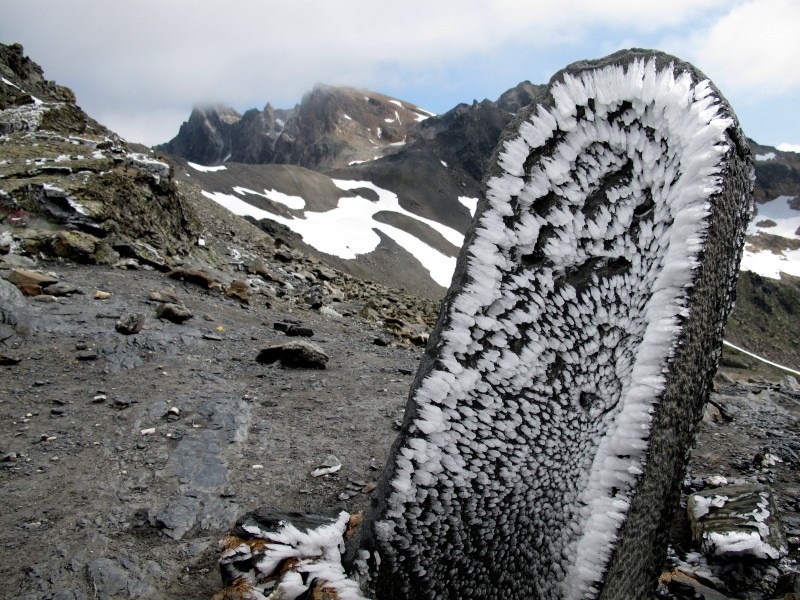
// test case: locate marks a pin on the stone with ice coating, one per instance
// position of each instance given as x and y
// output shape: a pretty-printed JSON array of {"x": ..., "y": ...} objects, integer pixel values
[
  {"x": 737, "y": 520},
  {"x": 545, "y": 434}
]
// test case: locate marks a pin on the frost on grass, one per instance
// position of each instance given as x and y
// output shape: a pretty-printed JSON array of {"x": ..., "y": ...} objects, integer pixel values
[{"x": 546, "y": 429}]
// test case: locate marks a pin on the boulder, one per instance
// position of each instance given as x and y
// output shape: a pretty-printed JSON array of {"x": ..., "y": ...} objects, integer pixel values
[
  {"x": 21, "y": 277},
  {"x": 194, "y": 276},
  {"x": 239, "y": 290},
  {"x": 294, "y": 354},
  {"x": 82, "y": 247}
]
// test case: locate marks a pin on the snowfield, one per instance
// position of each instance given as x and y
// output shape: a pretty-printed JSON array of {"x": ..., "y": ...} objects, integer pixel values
[
  {"x": 786, "y": 224},
  {"x": 350, "y": 229}
]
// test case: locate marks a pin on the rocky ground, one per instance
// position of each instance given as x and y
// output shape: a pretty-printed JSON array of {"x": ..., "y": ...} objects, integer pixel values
[{"x": 127, "y": 457}]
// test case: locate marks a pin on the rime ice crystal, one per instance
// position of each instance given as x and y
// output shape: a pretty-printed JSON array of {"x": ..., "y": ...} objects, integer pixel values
[{"x": 612, "y": 222}]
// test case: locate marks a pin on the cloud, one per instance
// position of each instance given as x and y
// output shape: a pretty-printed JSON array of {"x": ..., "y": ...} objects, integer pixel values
[
  {"x": 789, "y": 147},
  {"x": 755, "y": 46},
  {"x": 137, "y": 62}
]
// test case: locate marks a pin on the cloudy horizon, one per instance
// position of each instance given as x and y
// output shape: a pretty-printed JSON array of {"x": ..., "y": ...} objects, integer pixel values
[{"x": 139, "y": 68}]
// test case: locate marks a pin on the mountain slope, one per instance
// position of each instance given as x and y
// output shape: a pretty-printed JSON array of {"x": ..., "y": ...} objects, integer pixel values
[{"x": 71, "y": 188}]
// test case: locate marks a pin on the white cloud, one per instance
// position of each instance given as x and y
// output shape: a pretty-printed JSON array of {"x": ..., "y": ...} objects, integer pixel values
[
  {"x": 136, "y": 62},
  {"x": 789, "y": 147},
  {"x": 755, "y": 46}
]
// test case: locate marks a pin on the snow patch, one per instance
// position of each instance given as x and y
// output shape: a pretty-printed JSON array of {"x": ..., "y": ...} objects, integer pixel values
[
  {"x": 204, "y": 168},
  {"x": 789, "y": 147},
  {"x": 470, "y": 203},
  {"x": 767, "y": 156},
  {"x": 761, "y": 358}
]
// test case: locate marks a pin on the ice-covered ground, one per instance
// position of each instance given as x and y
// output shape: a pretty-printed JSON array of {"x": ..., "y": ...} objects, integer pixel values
[{"x": 786, "y": 224}]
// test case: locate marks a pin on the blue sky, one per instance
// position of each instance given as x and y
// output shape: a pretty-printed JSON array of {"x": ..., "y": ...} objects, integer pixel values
[{"x": 139, "y": 67}]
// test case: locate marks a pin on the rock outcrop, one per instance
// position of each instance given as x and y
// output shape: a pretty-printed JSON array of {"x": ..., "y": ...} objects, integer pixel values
[{"x": 72, "y": 189}]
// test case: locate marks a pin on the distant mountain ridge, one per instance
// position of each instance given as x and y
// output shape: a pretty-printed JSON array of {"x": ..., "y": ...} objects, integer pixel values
[{"x": 332, "y": 127}]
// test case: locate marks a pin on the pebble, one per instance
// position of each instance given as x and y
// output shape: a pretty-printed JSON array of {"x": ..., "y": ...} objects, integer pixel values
[{"x": 101, "y": 295}]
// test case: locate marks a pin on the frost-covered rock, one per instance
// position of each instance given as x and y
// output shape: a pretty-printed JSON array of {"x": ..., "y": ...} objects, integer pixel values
[
  {"x": 288, "y": 555},
  {"x": 546, "y": 430},
  {"x": 736, "y": 521}
]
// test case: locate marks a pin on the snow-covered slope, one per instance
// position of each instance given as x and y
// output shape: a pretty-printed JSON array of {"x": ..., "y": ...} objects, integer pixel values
[
  {"x": 350, "y": 228},
  {"x": 773, "y": 242}
]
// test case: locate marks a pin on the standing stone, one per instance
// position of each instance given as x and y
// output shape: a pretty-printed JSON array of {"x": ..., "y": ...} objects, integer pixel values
[{"x": 546, "y": 430}]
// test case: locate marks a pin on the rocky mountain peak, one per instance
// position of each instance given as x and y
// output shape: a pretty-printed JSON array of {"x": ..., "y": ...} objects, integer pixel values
[{"x": 332, "y": 127}]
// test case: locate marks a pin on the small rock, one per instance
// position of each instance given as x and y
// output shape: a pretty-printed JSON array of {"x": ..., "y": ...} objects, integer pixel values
[
  {"x": 292, "y": 329},
  {"x": 330, "y": 465},
  {"x": 99, "y": 398},
  {"x": 325, "y": 273},
  {"x": 790, "y": 383},
  {"x": 45, "y": 298},
  {"x": 101, "y": 295},
  {"x": 87, "y": 355},
  {"x": 282, "y": 326},
  {"x": 299, "y": 354},
  {"x": 165, "y": 295},
  {"x": 238, "y": 289},
  {"x": 173, "y": 312},
  {"x": 148, "y": 431},
  {"x": 61, "y": 288},
  {"x": 131, "y": 324},
  {"x": 297, "y": 331},
  {"x": 7, "y": 360}
]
